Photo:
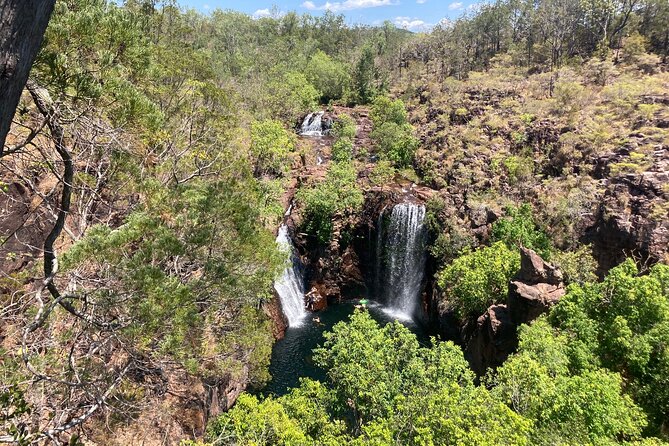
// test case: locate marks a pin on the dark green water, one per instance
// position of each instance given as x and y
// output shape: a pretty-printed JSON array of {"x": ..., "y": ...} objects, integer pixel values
[{"x": 292, "y": 355}]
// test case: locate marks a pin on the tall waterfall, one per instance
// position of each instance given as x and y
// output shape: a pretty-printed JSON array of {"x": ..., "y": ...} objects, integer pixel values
[
  {"x": 290, "y": 286},
  {"x": 401, "y": 247},
  {"x": 313, "y": 124}
]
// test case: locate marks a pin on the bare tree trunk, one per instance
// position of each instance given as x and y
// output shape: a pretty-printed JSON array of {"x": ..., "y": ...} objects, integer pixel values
[{"x": 22, "y": 27}]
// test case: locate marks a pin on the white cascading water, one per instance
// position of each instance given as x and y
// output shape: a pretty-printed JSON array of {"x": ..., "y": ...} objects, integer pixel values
[
  {"x": 313, "y": 124},
  {"x": 400, "y": 271},
  {"x": 290, "y": 286}
]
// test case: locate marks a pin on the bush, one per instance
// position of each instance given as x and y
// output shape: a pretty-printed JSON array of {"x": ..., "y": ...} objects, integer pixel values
[
  {"x": 385, "y": 110},
  {"x": 518, "y": 228},
  {"x": 344, "y": 127},
  {"x": 577, "y": 266},
  {"x": 392, "y": 132},
  {"x": 338, "y": 193},
  {"x": 478, "y": 279},
  {"x": 396, "y": 143},
  {"x": 271, "y": 145},
  {"x": 328, "y": 76},
  {"x": 382, "y": 173},
  {"x": 518, "y": 168},
  {"x": 342, "y": 150}
]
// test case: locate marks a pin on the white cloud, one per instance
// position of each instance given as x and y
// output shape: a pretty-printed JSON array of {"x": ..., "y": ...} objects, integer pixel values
[
  {"x": 412, "y": 24},
  {"x": 420, "y": 2},
  {"x": 259, "y": 14},
  {"x": 349, "y": 5},
  {"x": 455, "y": 5},
  {"x": 206, "y": 6}
]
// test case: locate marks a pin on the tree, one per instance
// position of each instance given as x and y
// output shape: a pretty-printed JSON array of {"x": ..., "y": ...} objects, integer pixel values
[
  {"x": 478, "y": 279},
  {"x": 364, "y": 77},
  {"x": 518, "y": 228},
  {"x": 271, "y": 146},
  {"x": 330, "y": 77},
  {"x": 23, "y": 25}
]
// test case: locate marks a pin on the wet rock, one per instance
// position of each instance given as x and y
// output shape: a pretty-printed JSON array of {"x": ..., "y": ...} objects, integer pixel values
[
  {"x": 315, "y": 299},
  {"x": 272, "y": 310}
]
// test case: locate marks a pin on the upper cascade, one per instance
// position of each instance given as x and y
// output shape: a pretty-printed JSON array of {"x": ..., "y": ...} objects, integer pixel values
[
  {"x": 313, "y": 124},
  {"x": 290, "y": 287},
  {"x": 401, "y": 251}
]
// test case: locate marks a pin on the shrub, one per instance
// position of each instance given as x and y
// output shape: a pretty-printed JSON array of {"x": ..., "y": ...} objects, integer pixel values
[
  {"x": 520, "y": 229},
  {"x": 337, "y": 193},
  {"x": 385, "y": 110},
  {"x": 478, "y": 279},
  {"x": 342, "y": 150},
  {"x": 396, "y": 143},
  {"x": 382, "y": 173},
  {"x": 344, "y": 127},
  {"x": 577, "y": 266},
  {"x": 518, "y": 168},
  {"x": 270, "y": 145},
  {"x": 330, "y": 77}
]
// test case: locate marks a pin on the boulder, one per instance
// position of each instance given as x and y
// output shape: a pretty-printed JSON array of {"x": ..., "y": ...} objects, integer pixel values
[
  {"x": 534, "y": 270},
  {"x": 528, "y": 302},
  {"x": 315, "y": 299},
  {"x": 535, "y": 289}
]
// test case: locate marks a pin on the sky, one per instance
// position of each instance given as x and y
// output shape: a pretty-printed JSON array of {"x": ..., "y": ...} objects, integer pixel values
[{"x": 414, "y": 15}]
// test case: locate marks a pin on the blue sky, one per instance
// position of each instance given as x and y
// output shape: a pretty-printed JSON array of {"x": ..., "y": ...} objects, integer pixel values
[{"x": 415, "y": 15}]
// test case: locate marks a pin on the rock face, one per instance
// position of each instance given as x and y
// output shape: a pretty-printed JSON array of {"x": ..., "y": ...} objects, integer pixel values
[
  {"x": 633, "y": 217},
  {"x": 493, "y": 339},
  {"x": 535, "y": 289}
]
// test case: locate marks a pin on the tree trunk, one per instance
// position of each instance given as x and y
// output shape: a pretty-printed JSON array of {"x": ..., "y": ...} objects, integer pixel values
[{"x": 22, "y": 26}]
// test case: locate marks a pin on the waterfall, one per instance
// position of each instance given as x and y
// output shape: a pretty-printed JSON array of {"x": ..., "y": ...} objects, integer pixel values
[
  {"x": 401, "y": 259},
  {"x": 313, "y": 124},
  {"x": 290, "y": 286}
]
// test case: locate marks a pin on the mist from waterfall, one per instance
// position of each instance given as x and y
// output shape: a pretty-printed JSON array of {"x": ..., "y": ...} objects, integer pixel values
[
  {"x": 313, "y": 124},
  {"x": 290, "y": 286},
  {"x": 401, "y": 257}
]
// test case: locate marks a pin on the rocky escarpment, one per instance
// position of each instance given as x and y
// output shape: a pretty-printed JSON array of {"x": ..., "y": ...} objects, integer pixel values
[
  {"x": 533, "y": 291},
  {"x": 633, "y": 217}
]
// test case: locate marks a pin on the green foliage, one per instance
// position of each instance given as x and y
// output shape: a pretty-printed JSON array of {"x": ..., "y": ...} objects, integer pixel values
[
  {"x": 344, "y": 127},
  {"x": 577, "y": 408},
  {"x": 330, "y": 77},
  {"x": 290, "y": 94},
  {"x": 396, "y": 143},
  {"x": 577, "y": 266},
  {"x": 342, "y": 150},
  {"x": 623, "y": 324},
  {"x": 196, "y": 227},
  {"x": 479, "y": 278},
  {"x": 518, "y": 168},
  {"x": 518, "y": 228},
  {"x": 271, "y": 146},
  {"x": 382, "y": 173},
  {"x": 338, "y": 193},
  {"x": 344, "y": 130},
  {"x": 364, "y": 77},
  {"x": 384, "y": 388},
  {"x": 392, "y": 133},
  {"x": 385, "y": 110}
]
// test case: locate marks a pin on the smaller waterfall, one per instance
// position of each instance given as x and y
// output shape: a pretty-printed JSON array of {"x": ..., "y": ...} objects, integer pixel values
[
  {"x": 313, "y": 124},
  {"x": 290, "y": 286},
  {"x": 401, "y": 266}
]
